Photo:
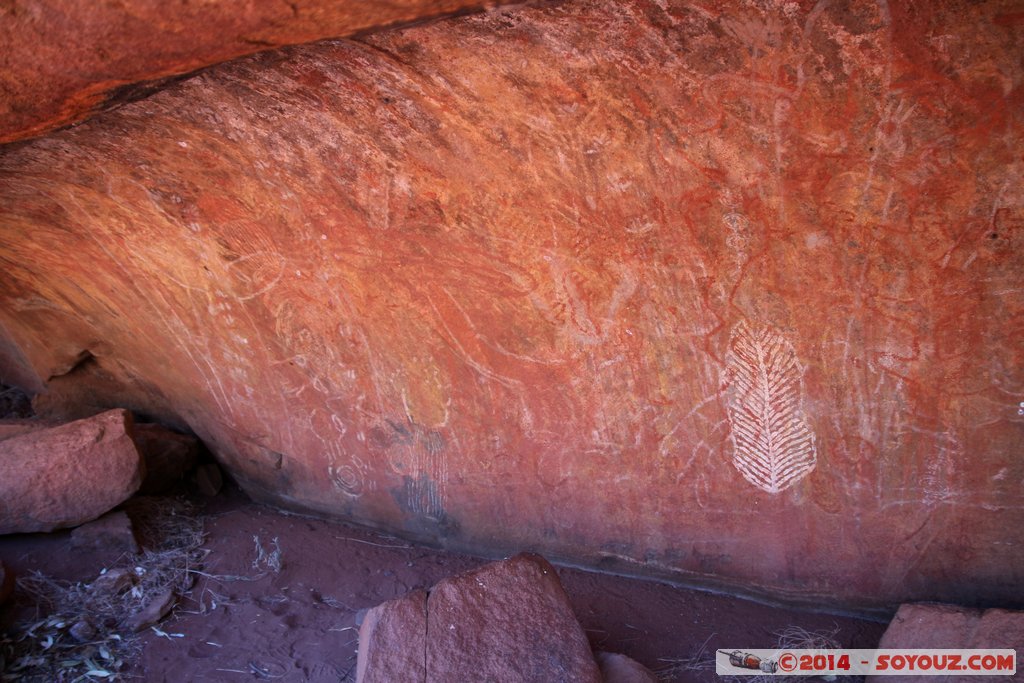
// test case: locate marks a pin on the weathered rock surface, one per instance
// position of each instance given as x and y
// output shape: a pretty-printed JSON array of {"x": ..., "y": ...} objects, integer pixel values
[
  {"x": 67, "y": 475},
  {"x": 63, "y": 60},
  {"x": 15, "y": 426},
  {"x": 728, "y": 293},
  {"x": 84, "y": 388},
  {"x": 1001, "y": 628},
  {"x": 393, "y": 641},
  {"x": 949, "y": 626},
  {"x": 508, "y": 621},
  {"x": 928, "y": 626},
  {"x": 616, "y": 668},
  {"x": 112, "y": 532},
  {"x": 169, "y": 456}
]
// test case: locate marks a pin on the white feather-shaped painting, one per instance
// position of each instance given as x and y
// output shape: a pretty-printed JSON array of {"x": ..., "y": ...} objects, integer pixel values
[{"x": 773, "y": 446}]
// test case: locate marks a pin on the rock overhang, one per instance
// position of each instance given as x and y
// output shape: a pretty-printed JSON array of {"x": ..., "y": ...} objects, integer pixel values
[{"x": 725, "y": 296}]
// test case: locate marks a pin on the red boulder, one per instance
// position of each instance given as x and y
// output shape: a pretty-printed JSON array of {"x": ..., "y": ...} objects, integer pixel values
[
  {"x": 65, "y": 476},
  {"x": 508, "y": 621}
]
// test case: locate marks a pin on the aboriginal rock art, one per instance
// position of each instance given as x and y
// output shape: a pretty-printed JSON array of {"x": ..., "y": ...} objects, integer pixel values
[{"x": 773, "y": 447}]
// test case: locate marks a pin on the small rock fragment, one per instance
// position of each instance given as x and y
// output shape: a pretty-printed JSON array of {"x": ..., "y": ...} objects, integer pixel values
[
  {"x": 83, "y": 630},
  {"x": 114, "y": 582},
  {"x": 153, "y": 612}
]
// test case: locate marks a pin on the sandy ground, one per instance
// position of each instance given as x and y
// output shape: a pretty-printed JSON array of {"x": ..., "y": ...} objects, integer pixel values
[{"x": 279, "y": 595}]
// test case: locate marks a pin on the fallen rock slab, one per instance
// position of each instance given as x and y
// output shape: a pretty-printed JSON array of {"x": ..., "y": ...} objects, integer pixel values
[
  {"x": 924, "y": 626},
  {"x": 168, "y": 455},
  {"x": 392, "y": 641},
  {"x": 67, "y": 475},
  {"x": 1001, "y": 628},
  {"x": 919, "y": 626},
  {"x": 112, "y": 532},
  {"x": 508, "y": 621},
  {"x": 949, "y": 626}
]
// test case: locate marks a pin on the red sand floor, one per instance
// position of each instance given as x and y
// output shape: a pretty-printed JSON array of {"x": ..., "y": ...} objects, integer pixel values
[{"x": 298, "y": 624}]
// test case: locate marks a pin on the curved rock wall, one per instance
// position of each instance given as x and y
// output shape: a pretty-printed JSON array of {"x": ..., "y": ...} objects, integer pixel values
[{"x": 729, "y": 295}]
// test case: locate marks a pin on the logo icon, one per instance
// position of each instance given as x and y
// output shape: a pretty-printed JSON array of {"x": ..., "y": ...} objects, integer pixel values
[{"x": 745, "y": 660}]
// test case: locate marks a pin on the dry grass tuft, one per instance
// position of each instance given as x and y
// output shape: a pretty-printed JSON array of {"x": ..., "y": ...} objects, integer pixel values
[
  {"x": 789, "y": 638},
  {"x": 796, "y": 638},
  {"x": 700, "y": 660},
  {"x": 77, "y": 632},
  {"x": 267, "y": 559}
]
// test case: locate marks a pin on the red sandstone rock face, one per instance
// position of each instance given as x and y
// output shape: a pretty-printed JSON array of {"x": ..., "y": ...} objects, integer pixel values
[
  {"x": 63, "y": 60},
  {"x": 729, "y": 294},
  {"x": 64, "y": 476}
]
